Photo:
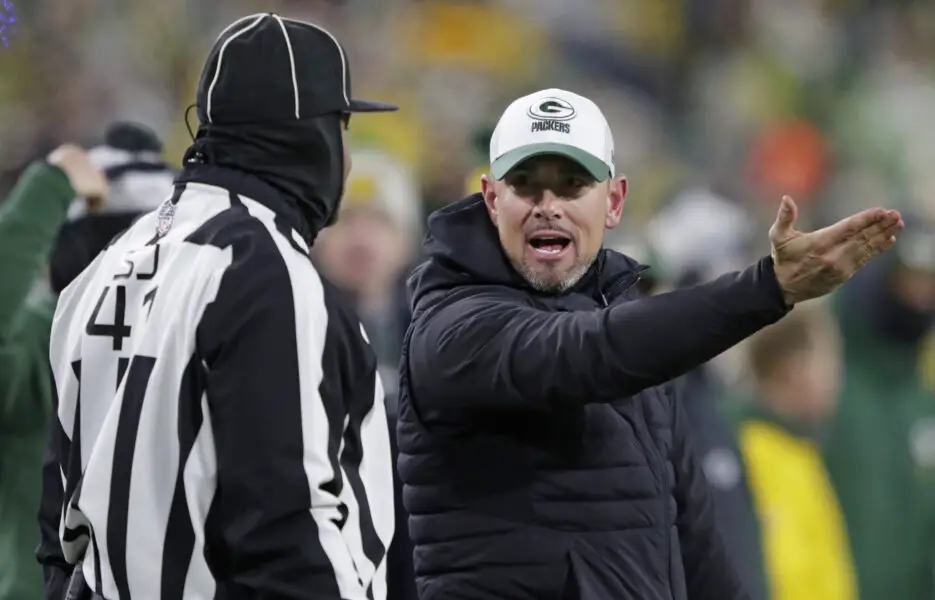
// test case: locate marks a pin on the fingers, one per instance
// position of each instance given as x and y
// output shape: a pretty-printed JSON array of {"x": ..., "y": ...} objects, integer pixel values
[
  {"x": 785, "y": 219},
  {"x": 863, "y": 224},
  {"x": 874, "y": 240},
  {"x": 885, "y": 234}
]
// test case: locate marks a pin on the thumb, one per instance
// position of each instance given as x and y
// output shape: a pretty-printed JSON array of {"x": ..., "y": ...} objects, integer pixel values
[{"x": 785, "y": 219}]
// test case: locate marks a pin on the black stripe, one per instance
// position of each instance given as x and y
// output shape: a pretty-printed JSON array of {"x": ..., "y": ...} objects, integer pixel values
[
  {"x": 351, "y": 459},
  {"x": 70, "y": 535},
  {"x": 128, "y": 424},
  {"x": 73, "y": 471},
  {"x": 122, "y": 363},
  {"x": 177, "y": 191},
  {"x": 259, "y": 524},
  {"x": 353, "y": 394},
  {"x": 180, "y": 535},
  {"x": 235, "y": 199}
]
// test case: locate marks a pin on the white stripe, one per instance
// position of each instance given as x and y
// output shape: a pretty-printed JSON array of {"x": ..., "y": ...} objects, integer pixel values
[
  {"x": 295, "y": 83},
  {"x": 217, "y": 71},
  {"x": 297, "y": 238},
  {"x": 340, "y": 52},
  {"x": 238, "y": 22}
]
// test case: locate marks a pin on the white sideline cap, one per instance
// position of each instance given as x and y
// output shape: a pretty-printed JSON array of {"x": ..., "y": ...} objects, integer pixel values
[{"x": 553, "y": 121}]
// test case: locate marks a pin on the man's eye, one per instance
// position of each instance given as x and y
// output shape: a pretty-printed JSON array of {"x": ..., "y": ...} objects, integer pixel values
[
  {"x": 519, "y": 180},
  {"x": 573, "y": 186}
]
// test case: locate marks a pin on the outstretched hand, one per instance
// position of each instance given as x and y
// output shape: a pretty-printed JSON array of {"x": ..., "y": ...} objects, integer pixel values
[{"x": 809, "y": 265}]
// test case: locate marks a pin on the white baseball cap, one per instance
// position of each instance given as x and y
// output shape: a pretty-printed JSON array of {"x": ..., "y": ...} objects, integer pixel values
[{"x": 553, "y": 121}]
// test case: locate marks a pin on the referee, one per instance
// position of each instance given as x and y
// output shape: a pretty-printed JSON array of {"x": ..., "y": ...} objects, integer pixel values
[{"x": 221, "y": 430}]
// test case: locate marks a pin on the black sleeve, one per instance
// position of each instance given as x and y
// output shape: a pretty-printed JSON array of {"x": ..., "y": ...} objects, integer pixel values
[
  {"x": 273, "y": 527},
  {"x": 55, "y": 569},
  {"x": 709, "y": 573},
  {"x": 484, "y": 346}
]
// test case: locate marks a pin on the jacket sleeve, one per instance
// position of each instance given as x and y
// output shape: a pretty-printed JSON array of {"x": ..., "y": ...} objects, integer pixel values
[
  {"x": 277, "y": 517},
  {"x": 29, "y": 223},
  {"x": 55, "y": 569},
  {"x": 485, "y": 347},
  {"x": 30, "y": 219},
  {"x": 709, "y": 572}
]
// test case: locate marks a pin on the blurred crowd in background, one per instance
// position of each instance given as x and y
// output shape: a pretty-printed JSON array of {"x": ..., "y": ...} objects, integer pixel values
[{"x": 817, "y": 436}]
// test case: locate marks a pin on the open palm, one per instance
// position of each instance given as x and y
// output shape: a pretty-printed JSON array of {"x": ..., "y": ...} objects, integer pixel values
[{"x": 809, "y": 265}]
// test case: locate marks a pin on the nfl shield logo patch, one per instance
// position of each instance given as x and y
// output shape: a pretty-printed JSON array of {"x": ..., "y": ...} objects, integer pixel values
[{"x": 165, "y": 217}]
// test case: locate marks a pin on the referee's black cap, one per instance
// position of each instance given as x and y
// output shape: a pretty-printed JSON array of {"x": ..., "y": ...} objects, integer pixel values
[{"x": 265, "y": 68}]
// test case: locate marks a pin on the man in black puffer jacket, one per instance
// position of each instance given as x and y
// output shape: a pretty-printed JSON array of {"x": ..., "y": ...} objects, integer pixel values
[{"x": 543, "y": 453}]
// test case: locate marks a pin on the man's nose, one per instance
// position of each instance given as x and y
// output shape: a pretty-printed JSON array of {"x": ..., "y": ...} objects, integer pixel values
[{"x": 548, "y": 206}]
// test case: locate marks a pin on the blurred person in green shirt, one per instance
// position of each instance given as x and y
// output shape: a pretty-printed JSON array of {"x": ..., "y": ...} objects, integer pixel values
[
  {"x": 881, "y": 448},
  {"x": 47, "y": 238}
]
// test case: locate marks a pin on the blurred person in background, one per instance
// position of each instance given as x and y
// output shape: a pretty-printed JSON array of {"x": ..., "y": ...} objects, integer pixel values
[
  {"x": 368, "y": 248},
  {"x": 796, "y": 373},
  {"x": 881, "y": 445},
  {"x": 366, "y": 253},
  {"x": 696, "y": 237},
  {"x": 62, "y": 212}
]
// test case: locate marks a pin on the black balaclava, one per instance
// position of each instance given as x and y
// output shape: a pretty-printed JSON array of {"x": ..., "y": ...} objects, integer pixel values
[{"x": 303, "y": 159}]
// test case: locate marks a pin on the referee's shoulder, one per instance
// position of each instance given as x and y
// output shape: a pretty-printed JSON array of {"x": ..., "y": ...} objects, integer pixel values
[{"x": 256, "y": 238}]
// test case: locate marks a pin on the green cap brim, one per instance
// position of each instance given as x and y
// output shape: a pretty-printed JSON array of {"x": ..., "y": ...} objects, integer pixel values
[{"x": 595, "y": 166}]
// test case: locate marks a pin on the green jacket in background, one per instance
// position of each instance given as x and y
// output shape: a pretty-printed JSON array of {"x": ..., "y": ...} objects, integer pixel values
[
  {"x": 881, "y": 457},
  {"x": 30, "y": 220}
]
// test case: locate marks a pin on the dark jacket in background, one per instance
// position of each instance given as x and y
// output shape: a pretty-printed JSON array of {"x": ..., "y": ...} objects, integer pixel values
[
  {"x": 880, "y": 451},
  {"x": 542, "y": 452},
  {"x": 722, "y": 463},
  {"x": 400, "y": 576}
]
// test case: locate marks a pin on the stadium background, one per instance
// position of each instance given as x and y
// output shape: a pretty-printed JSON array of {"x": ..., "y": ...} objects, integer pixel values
[{"x": 739, "y": 101}]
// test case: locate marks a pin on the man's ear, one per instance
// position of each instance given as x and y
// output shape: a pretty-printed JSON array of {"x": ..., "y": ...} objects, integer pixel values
[
  {"x": 488, "y": 189},
  {"x": 616, "y": 198}
]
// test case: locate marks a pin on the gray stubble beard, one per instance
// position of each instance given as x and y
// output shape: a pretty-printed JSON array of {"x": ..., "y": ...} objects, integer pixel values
[{"x": 549, "y": 286}]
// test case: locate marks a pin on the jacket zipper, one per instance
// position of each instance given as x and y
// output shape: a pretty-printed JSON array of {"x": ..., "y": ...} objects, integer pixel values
[{"x": 627, "y": 282}]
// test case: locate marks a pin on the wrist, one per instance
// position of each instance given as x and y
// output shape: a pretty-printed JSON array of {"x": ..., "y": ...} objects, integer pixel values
[
  {"x": 788, "y": 296},
  {"x": 782, "y": 276}
]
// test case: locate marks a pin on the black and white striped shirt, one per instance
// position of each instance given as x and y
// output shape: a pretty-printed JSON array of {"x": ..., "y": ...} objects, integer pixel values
[{"x": 221, "y": 429}]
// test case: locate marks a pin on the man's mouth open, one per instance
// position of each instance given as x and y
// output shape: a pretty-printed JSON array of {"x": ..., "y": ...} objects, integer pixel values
[{"x": 549, "y": 245}]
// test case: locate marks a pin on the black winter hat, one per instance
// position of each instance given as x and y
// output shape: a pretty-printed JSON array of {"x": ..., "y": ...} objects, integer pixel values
[{"x": 265, "y": 68}]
